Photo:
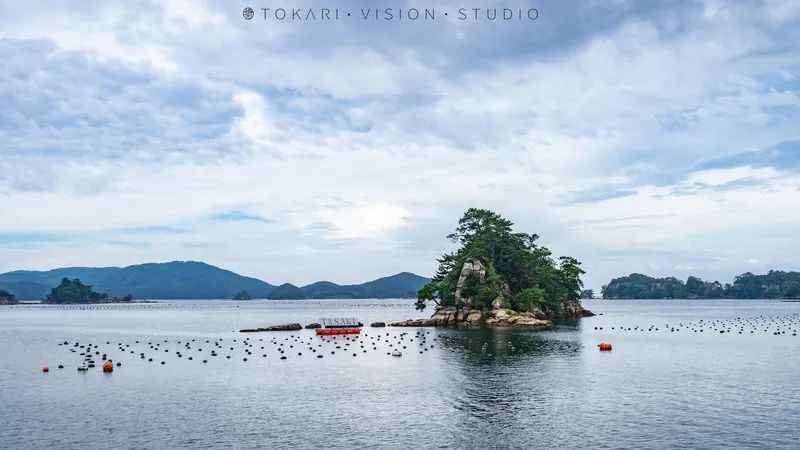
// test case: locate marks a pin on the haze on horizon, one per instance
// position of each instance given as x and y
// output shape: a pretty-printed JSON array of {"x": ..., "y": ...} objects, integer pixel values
[{"x": 637, "y": 137}]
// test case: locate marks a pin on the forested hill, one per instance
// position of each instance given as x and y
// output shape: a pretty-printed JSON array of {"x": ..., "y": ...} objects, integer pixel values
[
  {"x": 775, "y": 284},
  {"x": 402, "y": 285},
  {"x": 172, "y": 280},
  {"x": 193, "y": 280}
]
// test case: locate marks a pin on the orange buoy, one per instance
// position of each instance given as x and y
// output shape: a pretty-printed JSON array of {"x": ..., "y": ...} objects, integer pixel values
[
  {"x": 108, "y": 367},
  {"x": 45, "y": 369},
  {"x": 604, "y": 346}
]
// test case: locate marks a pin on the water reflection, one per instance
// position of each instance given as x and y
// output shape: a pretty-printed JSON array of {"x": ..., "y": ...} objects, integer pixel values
[{"x": 505, "y": 379}]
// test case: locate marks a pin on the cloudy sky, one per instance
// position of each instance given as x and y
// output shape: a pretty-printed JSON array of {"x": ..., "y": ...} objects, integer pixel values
[{"x": 661, "y": 138}]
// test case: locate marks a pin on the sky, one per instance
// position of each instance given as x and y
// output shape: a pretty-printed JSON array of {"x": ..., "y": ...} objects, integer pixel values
[{"x": 653, "y": 137}]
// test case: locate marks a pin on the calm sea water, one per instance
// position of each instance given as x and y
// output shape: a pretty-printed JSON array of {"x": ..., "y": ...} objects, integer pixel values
[{"x": 658, "y": 388}]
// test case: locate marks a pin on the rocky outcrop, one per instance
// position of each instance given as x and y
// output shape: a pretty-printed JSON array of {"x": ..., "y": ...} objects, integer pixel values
[
  {"x": 313, "y": 326},
  {"x": 471, "y": 267},
  {"x": 503, "y": 317},
  {"x": 573, "y": 309},
  {"x": 282, "y": 327},
  {"x": 501, "y": 301},
  {"x": 377, "y": 324}
]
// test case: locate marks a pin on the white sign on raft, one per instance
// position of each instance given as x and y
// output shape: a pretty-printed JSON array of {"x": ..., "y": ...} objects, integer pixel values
[{"x": 340, "y": 322}]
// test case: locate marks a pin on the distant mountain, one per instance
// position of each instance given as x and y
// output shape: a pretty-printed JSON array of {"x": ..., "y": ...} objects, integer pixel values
[
  {"x": 26, "y": 290},
  {"x": 173, "y": 280},
  {"x": 402, "y": 285},
  {"x": 195, "y": 280}
]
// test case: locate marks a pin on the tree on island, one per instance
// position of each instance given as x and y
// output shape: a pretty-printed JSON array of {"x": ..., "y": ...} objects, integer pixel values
[
  {"x": 7, "y": 298},
  {"x": 517, "y": 270},
  {"x": 73, "y": 291},
  {"x": 587, "y": 294},
  {"x": 242, "y": 295}
]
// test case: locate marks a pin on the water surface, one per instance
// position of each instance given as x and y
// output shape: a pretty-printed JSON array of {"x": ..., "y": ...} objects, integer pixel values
[{"x": 674, "y": 387}]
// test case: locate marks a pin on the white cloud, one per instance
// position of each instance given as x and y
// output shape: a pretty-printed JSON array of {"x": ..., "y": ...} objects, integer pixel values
[
  {"x": 359, "y": 141},
  {"x": 367, "y": 220},
  {"x": 254, "y": 124}
]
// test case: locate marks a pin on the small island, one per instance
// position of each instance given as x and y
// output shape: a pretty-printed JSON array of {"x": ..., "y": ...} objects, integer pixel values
[
  {"x": 499, "y": 277},
  {"x": 73, "y": 291},
  {"x": 242, "y": 295},
  {"x": 287, "y": 291},
  {"x": 774, "y": 285},
  {"x": 7, "y": 298}
]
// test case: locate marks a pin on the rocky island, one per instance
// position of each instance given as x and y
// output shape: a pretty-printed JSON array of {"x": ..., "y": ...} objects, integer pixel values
[
  {"x": 500, "y": 278},
  {"x": 242, "y": 295},
  {"x": 73, "y": 291},
  {"x": 7, "y": 298}
]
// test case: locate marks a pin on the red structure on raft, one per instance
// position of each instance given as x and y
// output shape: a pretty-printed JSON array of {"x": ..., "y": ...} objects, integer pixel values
[
  {"x": 337, "y": 326},
  {"x": 335, "y": 331}
]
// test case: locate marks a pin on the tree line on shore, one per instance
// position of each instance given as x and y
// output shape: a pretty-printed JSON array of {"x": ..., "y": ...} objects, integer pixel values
[{"x": 773, "y": 285}]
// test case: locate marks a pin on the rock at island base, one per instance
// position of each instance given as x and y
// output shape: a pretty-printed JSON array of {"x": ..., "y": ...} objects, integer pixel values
[
  {"x": 313, "y": 326},
  {"x": 446, "y": 316},
  {"x": 377, "y": 324},
  {"x": 499, "y": 317},
  {"x": 283, "y": 327}
]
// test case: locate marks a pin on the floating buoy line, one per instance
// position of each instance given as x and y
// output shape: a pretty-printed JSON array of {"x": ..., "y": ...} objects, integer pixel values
[
  {"x": 284, "y": 345},
  {"x": 279, "y": 345},
  {"x": 774, "y": 325}
]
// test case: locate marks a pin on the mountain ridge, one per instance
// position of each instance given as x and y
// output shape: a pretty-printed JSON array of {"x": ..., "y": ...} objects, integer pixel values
[{"x": 193, "y": 280}]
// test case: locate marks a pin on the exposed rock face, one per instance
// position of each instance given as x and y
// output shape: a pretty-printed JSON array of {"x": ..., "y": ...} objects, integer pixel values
[
  {"x": 313, "y": 326},
  {"x": 501, "y": 301},
  {"x": 574, "y": 309},
  {"x": 378, "y": 324},
  {"x": 471, "y": 266},
  {"x": 282, "y": 327},
  {"x": 497, "y": 317},
  {"x": 503, "y": 317}
]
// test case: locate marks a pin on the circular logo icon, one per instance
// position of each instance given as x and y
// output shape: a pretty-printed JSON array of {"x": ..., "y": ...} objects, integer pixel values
[{"x": 248, "y": 13}]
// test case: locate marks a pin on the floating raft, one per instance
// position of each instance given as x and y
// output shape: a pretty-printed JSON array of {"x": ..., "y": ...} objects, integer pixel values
[{"x": 337, "y": 326}]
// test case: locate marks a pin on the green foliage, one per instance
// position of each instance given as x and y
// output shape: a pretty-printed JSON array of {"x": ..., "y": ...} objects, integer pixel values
[
  {"x": 775, "y": 284},
  {"x": 528, "y": 299},
  {"x": 641, "y": 286},
  {"x": 73, "y": 291},
  {"x": 587, "y": 293},
  {"x": 510, "y": 257},
  {"x": 428, "y": 293}
]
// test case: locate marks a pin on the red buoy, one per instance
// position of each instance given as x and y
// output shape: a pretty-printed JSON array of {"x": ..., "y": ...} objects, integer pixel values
[
  {"x": 108, "y": 367},
  {"x": 45, "y": 369},
  {"x": 604, "y": 347}
]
